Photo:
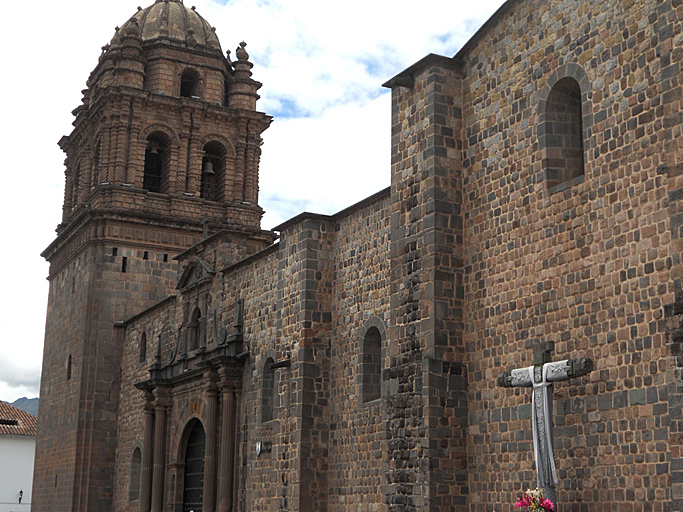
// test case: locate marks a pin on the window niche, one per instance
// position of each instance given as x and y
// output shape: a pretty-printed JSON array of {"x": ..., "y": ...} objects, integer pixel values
[
  {"x": 194, "y": 330},
  {"x": 142, "y": 356},
  {"x": 157, "y": 163},
  {"x": 371, "y": 366},
  {"x": 268, "y": 391},
  {"x": 134, "y": 484},
  {"x": 563, "y": 128},
  {"x": 213, "y": 172},
  {"x": 370, "y": 360},
  {"x": 189, "y": 84}
]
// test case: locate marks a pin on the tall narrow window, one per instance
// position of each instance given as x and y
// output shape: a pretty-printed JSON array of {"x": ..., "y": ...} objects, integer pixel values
[
  {"x": 194, "y": 469},
  {"x": 371, "y": 366},
  {"x": 134, "y": 484},
  {"x": 563, "y": 133},
  {"x": 157, "y": 162},
  {"x": 189, "y": 84},
  {"x": 68, "y": 368},
  {"x": 142, "y": 357},
  {"x": 213, "y": 172},
  {"x": 268, "y": 391}
]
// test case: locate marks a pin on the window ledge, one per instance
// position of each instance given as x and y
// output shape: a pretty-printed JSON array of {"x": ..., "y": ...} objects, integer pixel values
[{"x": 566, "y": 184}]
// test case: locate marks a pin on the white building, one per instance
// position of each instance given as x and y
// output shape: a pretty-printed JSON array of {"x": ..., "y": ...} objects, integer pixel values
[{"x": 17, "y": 451}]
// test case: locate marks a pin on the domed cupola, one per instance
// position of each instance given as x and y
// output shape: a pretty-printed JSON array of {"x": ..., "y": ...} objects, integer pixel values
[{"x": 171, "y": 21}]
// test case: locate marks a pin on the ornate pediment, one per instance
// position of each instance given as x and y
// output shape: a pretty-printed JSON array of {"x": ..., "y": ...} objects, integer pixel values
[{"x": 196, "y": 273}]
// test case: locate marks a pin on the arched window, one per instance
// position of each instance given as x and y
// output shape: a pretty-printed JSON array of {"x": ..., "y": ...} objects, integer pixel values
[
  {"x": 193, "y": 329},
  {"x": 268, "y": 391},
  {"x": 213, "y": 172},
  {"x": 134, "y": 484},
  {"x": 189, "y": 84},
  {"x": 193, "y": 487},
  {"x": 157, "y": 163},
  {"x": 371, "y": 365},
  {"x": 562, "y": 133},
  {"x": 142, "y": 357}
]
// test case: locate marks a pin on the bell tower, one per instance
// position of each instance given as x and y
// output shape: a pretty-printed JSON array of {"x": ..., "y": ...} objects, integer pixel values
[{"x": 164, "y": 151}]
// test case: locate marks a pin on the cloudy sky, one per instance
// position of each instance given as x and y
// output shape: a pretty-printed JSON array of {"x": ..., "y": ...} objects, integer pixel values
[{"x": 322, "y": 65}]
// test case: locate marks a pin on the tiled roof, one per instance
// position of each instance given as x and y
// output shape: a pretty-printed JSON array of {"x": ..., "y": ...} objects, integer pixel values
[{"x": 16, "y": 422}]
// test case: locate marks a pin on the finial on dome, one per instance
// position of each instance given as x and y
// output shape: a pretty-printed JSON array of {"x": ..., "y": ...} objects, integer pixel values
[
  {"x": 139, "y": 8},
  {"x": 241, "y": 52},
  {"x": 190, "y": 39},
  {"x": 132, "y": 28}
]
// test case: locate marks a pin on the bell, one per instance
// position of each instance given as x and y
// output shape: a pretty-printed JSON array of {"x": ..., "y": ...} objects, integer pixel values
[
  {"x": 152, "y": 150},
  {"x": 208, "y": 168}
]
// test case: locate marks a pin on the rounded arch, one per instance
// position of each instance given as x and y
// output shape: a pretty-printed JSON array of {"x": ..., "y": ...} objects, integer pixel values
[
  {"x": 269, "y": 388},
  {"x": 214, "y": 175},
  {"x": 214, "y": 137},
  {"x": 134, "y": 474},
  {"x": 191, "y": 465},
  {"x": 371, "y": 354},
  {"x": 570, "y": 70},
  {"x": 161, "y": 128},
  {"x": 565, "y": 126},
  {"x": 157, "y": 167}
]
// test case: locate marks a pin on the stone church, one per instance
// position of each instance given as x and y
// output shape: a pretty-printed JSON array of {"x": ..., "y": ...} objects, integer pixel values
[{"x": 349, "y": 362}]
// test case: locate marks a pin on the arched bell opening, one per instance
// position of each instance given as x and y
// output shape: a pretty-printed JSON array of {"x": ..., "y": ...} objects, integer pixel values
[
  {"x": 213, "y": 172},
  {"x": 157, "y": 163}
]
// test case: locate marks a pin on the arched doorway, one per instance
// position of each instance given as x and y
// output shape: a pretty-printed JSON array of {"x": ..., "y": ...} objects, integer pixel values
[{"x": 193, "y": 487}]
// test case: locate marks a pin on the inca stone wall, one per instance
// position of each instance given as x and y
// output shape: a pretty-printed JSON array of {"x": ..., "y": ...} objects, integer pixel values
[
  {"x": 497, "y": 240},
  {"x": 87, "y": 296},
  {"x": 585, "y": 271},
  {"x": 357, "y": 462},
  {"x": 305, "y": 304}
]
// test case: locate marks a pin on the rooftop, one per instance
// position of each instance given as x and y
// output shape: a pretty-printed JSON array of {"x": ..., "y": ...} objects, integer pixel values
[{"x": 16, "y": 422}]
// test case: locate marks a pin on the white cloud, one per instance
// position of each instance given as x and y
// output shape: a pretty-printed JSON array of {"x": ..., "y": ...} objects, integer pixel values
[{"x": 323, "y": 61}]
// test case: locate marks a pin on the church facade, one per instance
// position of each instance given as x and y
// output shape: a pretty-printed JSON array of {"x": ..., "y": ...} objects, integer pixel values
[{"x": 194, "y": 361}]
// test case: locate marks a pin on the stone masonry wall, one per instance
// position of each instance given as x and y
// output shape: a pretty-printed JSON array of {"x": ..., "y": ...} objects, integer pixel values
[
  {"x": 585, "y": 271},
  {"x": 427, "y": 401},
  {"x": 105, "y": 283},
  {"x": 158, "y": 327},
  {"x": 357, "y": 433},
  {"x": 292, "y": 313}
]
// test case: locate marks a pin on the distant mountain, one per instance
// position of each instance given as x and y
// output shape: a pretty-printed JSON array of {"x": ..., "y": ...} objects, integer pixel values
[{"x": 29, "y": 405}]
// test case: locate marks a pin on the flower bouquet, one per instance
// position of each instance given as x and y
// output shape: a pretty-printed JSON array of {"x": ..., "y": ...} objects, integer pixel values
[{"x": 532, "y": 500}]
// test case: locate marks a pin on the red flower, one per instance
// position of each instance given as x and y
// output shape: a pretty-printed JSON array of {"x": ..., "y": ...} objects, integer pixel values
[{"x": 547, "y": 504}]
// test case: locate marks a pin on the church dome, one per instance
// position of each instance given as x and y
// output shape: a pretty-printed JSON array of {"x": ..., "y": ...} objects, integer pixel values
[{"x": 170, "y": 20}]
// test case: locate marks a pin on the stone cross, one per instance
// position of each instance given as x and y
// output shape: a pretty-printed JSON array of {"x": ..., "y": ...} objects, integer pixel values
[{"x": 541, "y": 376}]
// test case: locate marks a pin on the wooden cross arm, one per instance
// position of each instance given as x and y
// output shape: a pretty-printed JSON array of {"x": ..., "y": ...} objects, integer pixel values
[{"x": 579, "y": 367}]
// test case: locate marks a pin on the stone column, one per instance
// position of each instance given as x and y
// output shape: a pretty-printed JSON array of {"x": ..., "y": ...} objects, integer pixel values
[
  {"x": 235, "y": 458},
  {"x": 147, "y": 454},
  {"x": 159, "y": 456},
  {"x": 209, "y": 501},
  {"x": 225, "y": 469}
]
